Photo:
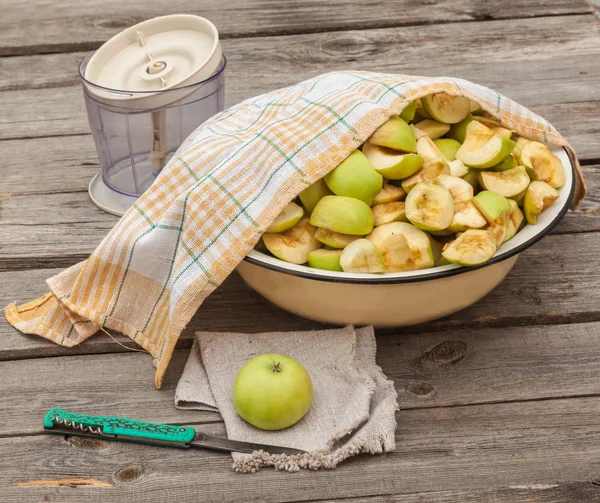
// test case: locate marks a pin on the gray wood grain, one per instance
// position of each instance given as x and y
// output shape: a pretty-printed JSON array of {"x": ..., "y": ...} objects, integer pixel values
[
  {"x": 469, "y": 449},
  {"x": 582, "y": 492},
  {"x": 57, "y": 229},
  {"x": 71, "y": 25},
  {"x": 567, "y": 264},
  {"x": 544, "y": 55},
  {"x": 430, "y": 370}
]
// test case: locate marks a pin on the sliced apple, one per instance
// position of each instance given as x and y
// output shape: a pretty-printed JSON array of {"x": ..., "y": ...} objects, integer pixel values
[
  {"x": 390, "y": 163},
  {"x": 472, "y": 178},
  {"x": 448, "y": 147},
  {"x": 446, "y": 108},
  {"x": 471, "y": 248},
  {"x": 408, "y": 114},
  {"x": 459, "y": 188},
  {"x": 429, "y": 207},
  {"x": 389, "y": 193},
  {"x": 325, "y": 259},
  {"x": 345, "y": 215},
  {"x": 427, "y": 149},
  {"x": 334, "y": 239},
  {"x": 457, "y": 168},
  {"x": 519, "y": 144},
  {"x": 312, "y": 194},
  {"x": 458, "y": 131},
  {"x": 403, "y": 246},
  {"x": 362, "y": 256},
  {"x": 395, "y": 134},
  {"x": 433, "y": 129},
  {"x": 482, "y": 147},
  {"x": 509, "y": 162},
  {"x": 389, "y": 212},
  {"x": 289, "y": 217},
  {"x": 428, "y": 173},
  {"x": 492, "y": 205},
  {"x": 476, "y": 108},
  {"x": 295, "y": 244},
  {"x": 417, "y": 132},
  {"x": 466, "y": 216},
  {"x": 539, "y": 196},
  {"x": 510, "y": 183},
  {"x": 516, "y": 220},
  {"x": 542, "y": 164},
  {"x": 355, "y": 177},
  {"x": 499, "y": 229},
  {"x": 495, "y": 126}
]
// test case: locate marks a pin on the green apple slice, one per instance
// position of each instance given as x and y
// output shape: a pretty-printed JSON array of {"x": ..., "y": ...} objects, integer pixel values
[
  {"x": 542, "y": 164},
  {"x": 492, "y": 205},
  {"x": 390, "y": 163},
  {"x": 476, "y": 108},
  {"x": 362, "y": 256},
  {"x": 389, "y": 212},
  {"x": 516, "y": 220},
  {"x": 539, "y": 196},
  {"x": 395, "y": 134},
  {"x": 496, "y": 126},
  {"x": 499, "y": 229},
  {"x": 408, "y": 114},
  {"x": 389, "y": 193},
  {"x": 472, "y": 178},
  {"x": 289, "y": 217},
  {"x": 471, "y": 248},
  {"x": 520, "y": 143},
  {"x": 312, "y": 194},
  {"x": 510, "y": 183},
  {"x": 466, "y": 216},
  {"x": 448, "y": 147},
  {"x": 355, "y": 177},
  {"x": 508, "y": 163},
  {"x": 345, "y": 215},
  {"x": 459, "y": 188},
  {"x": 428, "y": 173},
  {"x": 427, "y": 149},
  {"x": 446, "y": 108},
  {"x": 429, "y": 207},
  {"x": 457, "y": 168},
  {"x": 295, "y": 244},
  {"x": 334, "y": 239},
  {"x": 403, "y": 246},
  {"x": 325, "y": 259},
  {"x": 417, "y": 132},
  {"x": 458, "y": 131},
  {"x": 433, "y": 129},
  {"x": 482, "y": 147}
]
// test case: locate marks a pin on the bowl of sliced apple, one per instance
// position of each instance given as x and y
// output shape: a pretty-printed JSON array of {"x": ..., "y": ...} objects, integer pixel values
[{"x": 426, "y": 218}]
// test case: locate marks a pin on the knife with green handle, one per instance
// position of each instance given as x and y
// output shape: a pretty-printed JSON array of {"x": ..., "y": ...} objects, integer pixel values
[{"x": 123, "y": 429}]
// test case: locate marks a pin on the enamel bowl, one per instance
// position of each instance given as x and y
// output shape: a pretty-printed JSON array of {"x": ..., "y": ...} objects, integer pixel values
[{"x": 395, "y": 299}]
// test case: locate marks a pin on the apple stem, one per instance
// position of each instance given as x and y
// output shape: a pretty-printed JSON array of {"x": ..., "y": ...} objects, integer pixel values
[{"x": 276, "y": 367}]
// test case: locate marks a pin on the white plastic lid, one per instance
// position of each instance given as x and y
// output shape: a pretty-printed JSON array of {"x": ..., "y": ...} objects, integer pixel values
[{"x": 156, "y": 55}]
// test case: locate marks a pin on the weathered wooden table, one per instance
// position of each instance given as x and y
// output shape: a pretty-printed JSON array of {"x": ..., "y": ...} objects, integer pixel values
[{"x": 500, "y": 402}]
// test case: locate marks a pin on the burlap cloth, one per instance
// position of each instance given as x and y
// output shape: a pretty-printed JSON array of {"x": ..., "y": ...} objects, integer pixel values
[
  {"x": 354, "y": 404},
  {"x": 218, "y": 194}
]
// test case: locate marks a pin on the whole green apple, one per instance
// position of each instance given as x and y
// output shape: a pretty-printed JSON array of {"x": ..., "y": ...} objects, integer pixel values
[{"x": 272, "y": 392}]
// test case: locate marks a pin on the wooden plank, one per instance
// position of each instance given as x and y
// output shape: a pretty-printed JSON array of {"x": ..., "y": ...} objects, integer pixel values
[
  {"x": 232, "y": 307},
  {"x": 544, "y": 53},
  {"x": 430, "y": 370},
  {"x": 468, "y": 449},
  {"x": 526, "y": 297},
  {"x": 57, "y": 229},
  {"x": 527, "y": 493},
  {"x": 72, "y": 25}
]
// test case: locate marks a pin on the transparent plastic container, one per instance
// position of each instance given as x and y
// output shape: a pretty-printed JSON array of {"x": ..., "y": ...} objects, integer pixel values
[{"x": 136, "y": 133}]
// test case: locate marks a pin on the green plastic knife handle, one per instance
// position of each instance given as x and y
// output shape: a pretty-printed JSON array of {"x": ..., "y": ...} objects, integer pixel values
[{"x": 120, "y": 426}]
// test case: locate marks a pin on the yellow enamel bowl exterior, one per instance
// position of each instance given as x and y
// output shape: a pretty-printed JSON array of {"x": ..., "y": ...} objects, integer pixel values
[{"x": 394, "y": 299}]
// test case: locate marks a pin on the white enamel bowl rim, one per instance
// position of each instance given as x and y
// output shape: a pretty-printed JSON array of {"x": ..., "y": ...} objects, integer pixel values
[{"x": 525, "y": 238}]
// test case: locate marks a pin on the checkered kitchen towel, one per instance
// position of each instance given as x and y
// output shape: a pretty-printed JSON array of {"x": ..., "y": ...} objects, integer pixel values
[{"x": 221, "y": 190}]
